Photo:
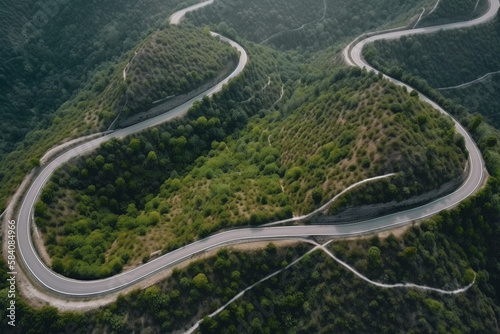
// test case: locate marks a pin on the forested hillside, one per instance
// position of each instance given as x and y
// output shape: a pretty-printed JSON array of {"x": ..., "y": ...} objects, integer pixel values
[
  {"x": 50, "y": 51},
  {"x": 121, "y": 205},
  {"x": 89, "y": 79},
  {"x": 480, "y": 97},
  {"x": 291, "y": 131},
  {"x": 446, "y": 11},
  {"x": 446, "y": 252},
  {"x": 317, "y": 294},
  {"x": 124, "y": 176},
  {"x": 172, "y": 62},
  {"x": 300, "y": 25},
  {"x": 448, "y": 59}
]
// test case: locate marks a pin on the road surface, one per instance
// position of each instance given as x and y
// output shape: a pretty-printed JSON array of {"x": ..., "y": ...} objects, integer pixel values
[{"x": 83, "y": 289}]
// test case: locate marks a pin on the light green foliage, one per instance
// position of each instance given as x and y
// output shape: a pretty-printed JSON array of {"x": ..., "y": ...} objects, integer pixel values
[
  {"x": 469, "y": 276},
  {"x": 433, "y": 305},
  {"x": 374, "y": 260},
  {"x": 287, "y": 162},
  {"x": 200, "y": 281}
]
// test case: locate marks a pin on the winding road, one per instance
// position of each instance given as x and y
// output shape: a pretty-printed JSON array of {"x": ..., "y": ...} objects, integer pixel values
[{"x": 70, "y": 288}]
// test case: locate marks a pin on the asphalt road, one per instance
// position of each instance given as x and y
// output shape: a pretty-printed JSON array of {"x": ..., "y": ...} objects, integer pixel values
[
  {"x": 178, "y": 16},
  {"x": 25, "y": 248},
  {"x": 75, "y": 288}
]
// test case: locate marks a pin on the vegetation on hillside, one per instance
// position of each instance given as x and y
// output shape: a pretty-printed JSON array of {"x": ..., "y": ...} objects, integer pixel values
[
  {"x": 317, "y": 294},
  {"x": 447, "y": 59},
  {"x": 50, "y": 50},
  {"x": 458, "y": 56},
  {"x": 438, "y": 253},
  {"x": 119, "y": 205},
  {"x": 453, "y": 11},
  {"x": 473, "y": 59},
  {"x": 174, "y": 61},
  {"x": 171, "y": 305},
  {"x": 299, "y": 25},
  {"x": 123, "y": 176},
  {"x": 171, "y": 61},
  {"x": 481, "y": 97}
]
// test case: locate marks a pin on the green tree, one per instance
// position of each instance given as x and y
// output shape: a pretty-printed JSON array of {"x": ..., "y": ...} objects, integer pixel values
[
  {"x": 208, "y": 325},
  {"x": 200, "y": 281},
  {"x": 135, "y": 144},
  {"x": 317, "y": 195},
  {"x": 152, "y": 156},
  {"x": 374, "y": 258}
]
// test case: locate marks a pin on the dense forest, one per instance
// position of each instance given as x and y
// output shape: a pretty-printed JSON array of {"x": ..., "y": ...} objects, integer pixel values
[
  {"x": 457, "y": 57},
  {"x": 303, "y": 26},
  {"x": 480, "y": 97},
  {"x": 131, "y": 191},
  {"x": 444, "y": 252},
  {"x": 447, "y": 11},
  {"x": 51, "y": 50},
  {"x": 58, "y": 86},
  {"x": 136, "y": 169},
  {"x": 317, "y": 294},
  {"x": 172, "y": 62}
]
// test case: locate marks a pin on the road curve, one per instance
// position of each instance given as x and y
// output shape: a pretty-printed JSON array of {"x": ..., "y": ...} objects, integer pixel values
[
  {"x": 353, "y": 53},
  {"x": 178, "y": 16},
  {"x": 353, "y": 56},
  {"x": 28, "y": 254},
  {"x": 82, "y": 289}
]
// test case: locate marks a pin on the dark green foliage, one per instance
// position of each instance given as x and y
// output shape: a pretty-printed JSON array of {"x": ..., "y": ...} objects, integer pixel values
[
  {"x": 48, "y": 52},
  {"x": 453, "y": 241},
  {"x": 453, "y": 11},
  {"x": 444, "y": 53},
  {"x": 448, "y": 59},
  {"x": 59, "y": 51},
  {"x": 318, "y": 295},
  {"x": 475, "y": 57},
  {"x": 300, "y": 25},
  {"x": 481, "y": 97},
  {"x": 172, "y": 62},
  {"x": 95, "y": 212},
  {"x": 171, "y": 305}
]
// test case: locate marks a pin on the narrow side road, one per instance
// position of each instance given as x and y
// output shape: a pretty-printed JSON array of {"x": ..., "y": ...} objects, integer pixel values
[{"x": 348, "y": 267}]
